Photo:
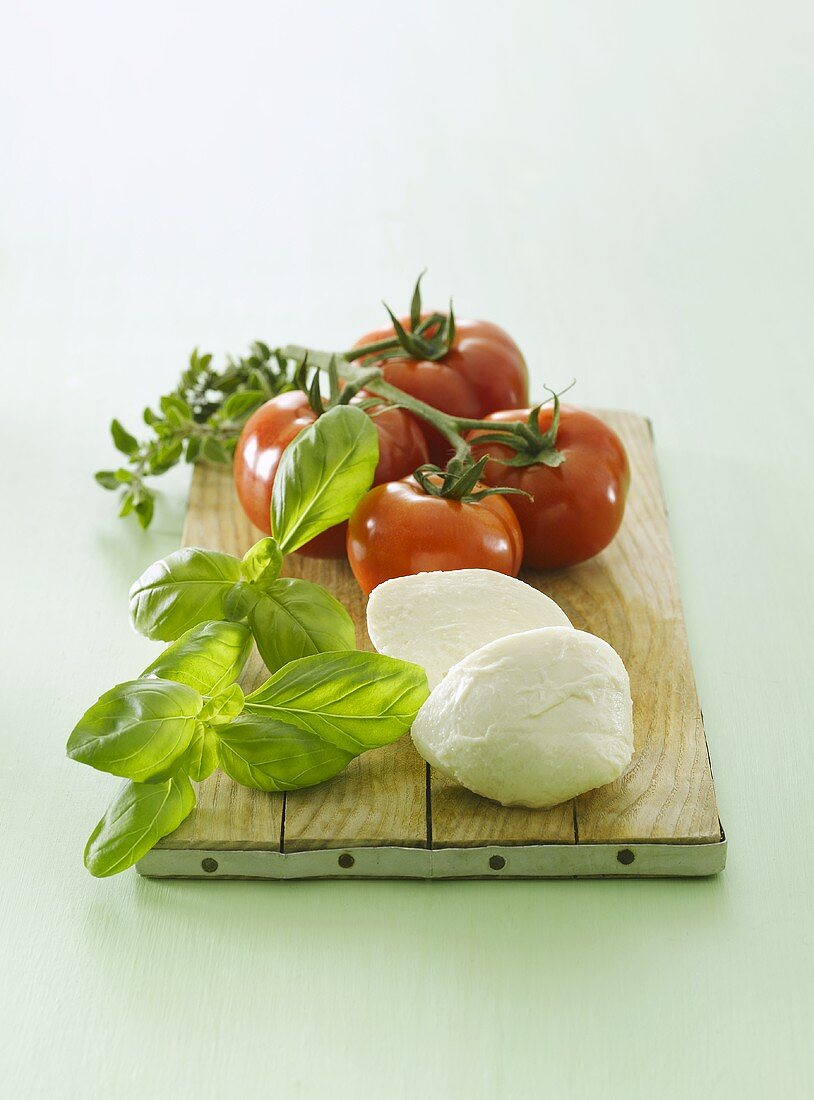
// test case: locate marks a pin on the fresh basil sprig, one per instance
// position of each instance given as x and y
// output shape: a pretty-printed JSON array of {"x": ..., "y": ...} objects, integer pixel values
[
  {"x": 179, "y": 596},
  {"x": 322, "y": 475},
  {"x": 300, "y": 728},
  {"x": 185, "y": 715}
]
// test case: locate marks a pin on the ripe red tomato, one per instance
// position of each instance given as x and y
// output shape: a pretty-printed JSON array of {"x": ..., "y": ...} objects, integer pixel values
[
  {"x": 397, "y": 529},
  {"x": 483, "y": 371},
  {"x": 577, "y": 506},
  {"x": 270, "y": 429}
]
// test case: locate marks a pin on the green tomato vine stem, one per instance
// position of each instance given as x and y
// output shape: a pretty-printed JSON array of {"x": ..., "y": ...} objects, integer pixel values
[
  {"x": 203, "y": 416},
  {"x": 519, "y": 436}
]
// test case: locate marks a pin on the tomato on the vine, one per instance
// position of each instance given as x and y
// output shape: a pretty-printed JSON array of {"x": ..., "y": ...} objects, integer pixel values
[
  {"x": 399, "y": 529},
  {"x": 577, "y": 507},
  {"x": 484, "y": 370},
  {"x": 270, "y": 429}
]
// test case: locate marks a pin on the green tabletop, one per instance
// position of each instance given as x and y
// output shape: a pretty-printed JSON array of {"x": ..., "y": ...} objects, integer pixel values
[{"x": 627, "y": 189}]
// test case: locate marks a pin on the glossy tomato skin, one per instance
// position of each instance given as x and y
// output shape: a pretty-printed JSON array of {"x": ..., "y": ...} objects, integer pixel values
[
  {"x": 270, "y": 429},
  {"x": 483, "y": 371},
  {"x": 397, "y": 529},
  {"x": 578, "y": 506}
]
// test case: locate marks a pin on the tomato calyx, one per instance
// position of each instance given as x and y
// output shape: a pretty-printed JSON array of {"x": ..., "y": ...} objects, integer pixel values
[
  {"x": 340, "y": 391},
  {"x": 312, "y": 389},
  {"x": 531, "y": 446},
  {"x": 460, "y": 480},
  {"x": 423, "y": 338},
  {"x": 430, "y": 338}
]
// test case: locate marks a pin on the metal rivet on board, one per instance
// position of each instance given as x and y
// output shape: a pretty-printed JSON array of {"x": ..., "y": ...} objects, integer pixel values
[
  {"x": 209, "y": 864},
  {"x": 346, "y": 860},
  {"x": 497, "y": 863},
  {"x": 625, "y": 856}
]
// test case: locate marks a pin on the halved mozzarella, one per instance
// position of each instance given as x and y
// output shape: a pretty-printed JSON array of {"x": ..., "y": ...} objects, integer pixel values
[
  {"x": 531, "y": 720},
  {"x": 436, "y": 619}
]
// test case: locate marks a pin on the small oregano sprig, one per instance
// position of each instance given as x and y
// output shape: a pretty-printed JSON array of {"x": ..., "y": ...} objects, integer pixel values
[
  {"x": 325, "y": 702},
  {"x": 201, "y": 418}
]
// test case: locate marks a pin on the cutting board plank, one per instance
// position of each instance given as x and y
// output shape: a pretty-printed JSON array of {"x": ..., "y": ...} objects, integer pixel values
[
  {"x": 667, "y": 794},
  {"x": 389, "y": 815}
]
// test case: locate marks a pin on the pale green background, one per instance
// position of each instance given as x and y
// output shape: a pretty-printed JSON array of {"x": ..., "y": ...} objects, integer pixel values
[{"x": 628, "y": 189}]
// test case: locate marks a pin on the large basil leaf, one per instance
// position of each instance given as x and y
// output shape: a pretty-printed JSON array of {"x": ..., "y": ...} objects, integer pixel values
[
  {"x": 221, "y": 709},
  {"x": 355, "y": 701},
  {"x": 139, "y": 729},
  {"x": 296, "y": 618},
  {"x": 208, "y": 657},
  {"x": 187, "y": 587},
  {"x": 277, "y": 756},
  {"x": 322, "y": 475},
  {"x": 138, "y": 817}
]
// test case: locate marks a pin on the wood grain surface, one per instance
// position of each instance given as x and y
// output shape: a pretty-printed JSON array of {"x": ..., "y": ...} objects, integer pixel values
[
  {"x": 630, "y": 596},
  {"x": 627, "y": 595}
]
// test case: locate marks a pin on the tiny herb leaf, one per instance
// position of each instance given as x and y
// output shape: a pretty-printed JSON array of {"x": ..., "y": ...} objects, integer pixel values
[
  {"x": 123, "y": 440},
  {"x": 222, "y": 708},
  {"x": 203, "y": 755},
  {"x": 262, "y": 564},
  {"x": 107, "y": 479}
]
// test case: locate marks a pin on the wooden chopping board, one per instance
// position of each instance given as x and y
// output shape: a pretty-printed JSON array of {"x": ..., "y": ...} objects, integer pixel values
[{"x": 389, "y": 815}]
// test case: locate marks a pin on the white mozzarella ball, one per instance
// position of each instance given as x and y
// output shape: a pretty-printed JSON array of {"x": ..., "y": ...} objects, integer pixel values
[
  {"x": 436, "y": 619},
  {"x": 533, "y": 719}
]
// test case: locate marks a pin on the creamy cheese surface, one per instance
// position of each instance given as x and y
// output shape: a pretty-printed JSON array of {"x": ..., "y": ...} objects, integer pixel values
[
  {"x": 437, "y": 619},
  {"x": 532, "y": 719}
]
